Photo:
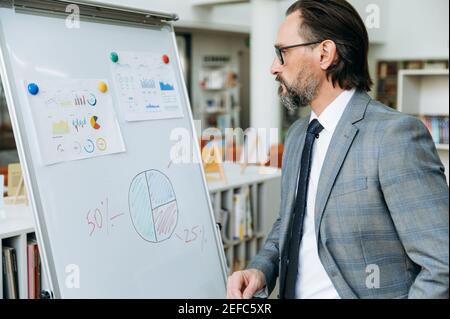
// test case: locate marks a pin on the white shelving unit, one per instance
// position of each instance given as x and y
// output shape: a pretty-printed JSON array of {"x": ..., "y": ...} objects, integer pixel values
[
  {"x": 18, "y": 225},
  {"x": 219, "y": 92},
  {"x": 264, "y": 184},
  {"x": 426, "y": 93},
  {"x": 15, "y": 230}
]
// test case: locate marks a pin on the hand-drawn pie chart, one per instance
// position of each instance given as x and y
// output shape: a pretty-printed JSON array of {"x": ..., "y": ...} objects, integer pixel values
[{"x": 153, "y": 206}]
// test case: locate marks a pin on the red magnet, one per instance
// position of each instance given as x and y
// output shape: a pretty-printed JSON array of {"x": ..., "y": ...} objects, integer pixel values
[{"x": 166, "y": 59}]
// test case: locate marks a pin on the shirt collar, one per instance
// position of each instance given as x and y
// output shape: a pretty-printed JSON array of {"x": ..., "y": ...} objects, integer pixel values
[{"x": 332, "y": 114}]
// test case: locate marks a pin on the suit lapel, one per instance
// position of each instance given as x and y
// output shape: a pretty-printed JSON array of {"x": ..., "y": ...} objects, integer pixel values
[{"x": 340, "y": 144}]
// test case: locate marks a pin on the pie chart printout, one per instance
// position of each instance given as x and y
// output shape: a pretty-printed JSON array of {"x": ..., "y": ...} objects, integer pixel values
[
  {"x": 94, "y": 123},
  {"x": 153, "y": 206}
]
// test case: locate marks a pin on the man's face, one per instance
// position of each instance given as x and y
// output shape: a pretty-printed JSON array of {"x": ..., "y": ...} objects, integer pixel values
[{"x": 299, "y": 76}]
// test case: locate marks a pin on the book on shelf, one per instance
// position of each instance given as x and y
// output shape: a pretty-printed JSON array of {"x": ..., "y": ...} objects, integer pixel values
[
  {"x": 387, "y": 69},
  {"x": 223, "y": 220},
  {"x": 239, "y": 215},
  {"x": 413, "y": 65},
  {"x": 243, "y": 223},
  {"x": 249, "y": 216},
  {"x": 2, "y": 201},
  {"x": 435, "y": 65},
  {"x": 228, "y": 261},
  {"x": 438, "y": 127},
  {"x": 222, "y": 217},
  {"x": 10, "y": 273},
  {"x": 33, "y": 270}
]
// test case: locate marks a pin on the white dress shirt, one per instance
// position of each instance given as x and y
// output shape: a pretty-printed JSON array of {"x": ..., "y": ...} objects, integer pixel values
[{"x": 312, "y": 281}]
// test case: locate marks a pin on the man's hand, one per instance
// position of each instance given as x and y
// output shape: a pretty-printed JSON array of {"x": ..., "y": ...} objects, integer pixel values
[{"x": 244, "y": 284}]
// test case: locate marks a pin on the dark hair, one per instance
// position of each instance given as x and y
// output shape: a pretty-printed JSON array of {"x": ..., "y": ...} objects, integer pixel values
[{"x": 338, "y": 21}]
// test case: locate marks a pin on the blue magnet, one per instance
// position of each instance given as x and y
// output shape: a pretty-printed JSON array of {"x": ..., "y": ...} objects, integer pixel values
[{"x": 33, "y": 88}]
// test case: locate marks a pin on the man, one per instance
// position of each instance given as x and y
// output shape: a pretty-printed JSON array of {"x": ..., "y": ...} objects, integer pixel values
[{"x": 364, "y": 207}]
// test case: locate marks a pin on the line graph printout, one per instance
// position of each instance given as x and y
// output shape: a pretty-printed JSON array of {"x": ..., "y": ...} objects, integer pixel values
[
  {"x": 74, "y": 120},
  {"x": 146, "y": 86}
]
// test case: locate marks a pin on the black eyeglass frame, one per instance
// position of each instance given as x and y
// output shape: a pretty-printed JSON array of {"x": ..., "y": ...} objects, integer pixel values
[{"x": 279, "y": 49}]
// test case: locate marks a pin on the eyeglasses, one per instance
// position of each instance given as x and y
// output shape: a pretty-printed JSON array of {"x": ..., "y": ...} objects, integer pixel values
[{"x": 279, "y": 51}]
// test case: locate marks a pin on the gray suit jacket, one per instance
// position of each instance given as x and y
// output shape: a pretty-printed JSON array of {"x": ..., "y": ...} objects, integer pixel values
[{"x": 382, "y": 204}]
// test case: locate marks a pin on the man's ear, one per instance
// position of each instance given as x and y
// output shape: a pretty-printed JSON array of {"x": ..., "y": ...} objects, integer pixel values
[{"x": 328, "y": 54}]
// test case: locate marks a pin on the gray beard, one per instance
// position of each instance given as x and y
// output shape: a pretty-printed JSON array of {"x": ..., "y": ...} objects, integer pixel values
[
  {"x": 292, "y": 103},
  {"x": 298, "y": 95}
]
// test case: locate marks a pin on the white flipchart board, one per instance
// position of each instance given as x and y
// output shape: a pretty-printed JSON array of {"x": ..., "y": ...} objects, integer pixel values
[{"x": 128, "y": 221}]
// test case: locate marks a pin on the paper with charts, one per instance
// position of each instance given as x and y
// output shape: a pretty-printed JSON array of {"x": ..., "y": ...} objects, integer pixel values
[
  {"x": 74, "y": 120},
  {"x": 146, "y": 86}
]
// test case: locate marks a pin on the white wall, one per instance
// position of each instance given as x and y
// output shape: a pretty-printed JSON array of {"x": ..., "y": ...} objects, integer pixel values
[
  {"x": 207, "y": 43},
  {"x": 417, "y": 29},
  {"x": 234, "y": 18},
  {"x": 409, "y": 29}
]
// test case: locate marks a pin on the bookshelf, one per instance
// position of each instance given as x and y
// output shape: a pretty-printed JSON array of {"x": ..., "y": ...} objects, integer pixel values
[
  {"x": 263, "y": 186},
  {"x": 425, "y": 93},
  {"x": 219, "y": 89},
  {"x": 387, "y": 77},
  {"x": 17, "y": 228},
  {"x": 387, "y": 84}
]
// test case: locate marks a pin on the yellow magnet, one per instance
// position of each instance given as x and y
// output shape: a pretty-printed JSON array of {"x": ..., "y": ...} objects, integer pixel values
[{"x": 102, "y": 87}]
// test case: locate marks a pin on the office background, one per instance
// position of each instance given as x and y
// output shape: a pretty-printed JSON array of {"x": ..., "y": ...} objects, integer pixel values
[{"x": 226, "y": 49}]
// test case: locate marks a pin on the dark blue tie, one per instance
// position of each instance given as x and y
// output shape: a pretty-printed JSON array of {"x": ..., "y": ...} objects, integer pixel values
[{"x": 296, "y": 230}]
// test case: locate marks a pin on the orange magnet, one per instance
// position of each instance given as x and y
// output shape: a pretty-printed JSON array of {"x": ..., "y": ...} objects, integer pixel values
[
  {"x": 102, "y": 87},
  {"x": 166, "y": 59}
]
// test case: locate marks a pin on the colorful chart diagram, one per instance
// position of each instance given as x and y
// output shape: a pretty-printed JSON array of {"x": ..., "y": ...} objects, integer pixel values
[
  {"x": 94, "y": 123},
  {"x": 79, "y": 123},
  {"x": 92, "y": 100},
  {"x": 148, "y": 84},
  {"x": 89, "y": 146},
  {"x": 153, "y": 206},
  {"x": 60, "y": 128},
  {"x": 166, "y": 87},
  {"x": 101, "y": 144},
  {"x": 79, "y": 100}
]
